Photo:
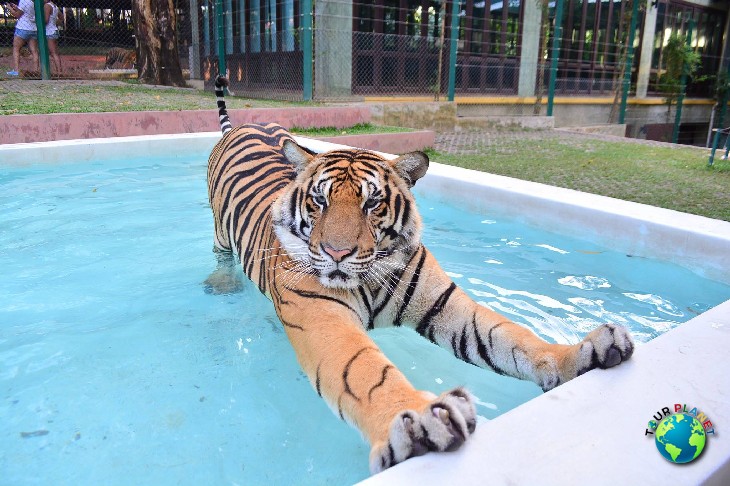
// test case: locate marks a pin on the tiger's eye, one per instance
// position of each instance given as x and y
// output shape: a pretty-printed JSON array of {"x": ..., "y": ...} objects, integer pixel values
[
  {"x": 371, "y": 203},
  {"x": 319, "y": 199}
]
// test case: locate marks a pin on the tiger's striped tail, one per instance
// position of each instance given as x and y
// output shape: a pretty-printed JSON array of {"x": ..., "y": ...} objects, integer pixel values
[{"x": 221, "y": 82}]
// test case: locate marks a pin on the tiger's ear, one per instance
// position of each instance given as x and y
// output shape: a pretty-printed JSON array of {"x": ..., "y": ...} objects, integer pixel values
[
  {"x": 297, "y": 155},
  {"x": 411, "y": 166}
]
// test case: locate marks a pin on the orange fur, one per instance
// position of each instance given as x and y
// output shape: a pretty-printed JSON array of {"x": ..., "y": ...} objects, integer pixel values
[{"x": 126, "y": 58}]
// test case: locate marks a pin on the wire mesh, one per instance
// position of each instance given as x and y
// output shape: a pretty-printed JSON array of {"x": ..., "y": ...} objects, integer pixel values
[
  {"x": 93, "y": 42},
  {"x": 683, "y": 39},
  {"x": 402, "y": 48}
]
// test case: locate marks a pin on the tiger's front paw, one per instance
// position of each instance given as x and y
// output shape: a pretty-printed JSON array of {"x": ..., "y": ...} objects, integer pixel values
[
  {"x": 223, "y": 281},
  {"x": 443, "y": 426},
  {"x": 604, "y": 347}
]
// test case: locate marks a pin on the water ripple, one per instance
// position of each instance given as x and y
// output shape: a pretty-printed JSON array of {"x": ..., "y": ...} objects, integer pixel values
[{"x": 585, "y": 283}]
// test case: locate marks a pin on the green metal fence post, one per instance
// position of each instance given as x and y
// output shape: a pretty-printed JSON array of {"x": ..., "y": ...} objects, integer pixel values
[
  {"x": 629, "y": 63},
  {"x": 455, "y": 9},
  {"x": 40, "y": 23},
  {"x": 555, "y": 53},
  {"x": 220, "y": 32},
  {"x": 715, "y": 141},
  {"x": 307, "y": 54},
  {"x": 720, "y": 120},
  {"x": 682, "y": 87}
]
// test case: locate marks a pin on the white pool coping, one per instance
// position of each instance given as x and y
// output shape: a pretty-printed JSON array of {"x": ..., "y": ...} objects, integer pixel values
[{"x": 589, "y": 430}]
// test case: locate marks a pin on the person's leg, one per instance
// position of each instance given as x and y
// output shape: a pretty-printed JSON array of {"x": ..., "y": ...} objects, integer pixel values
[
  {"x": 33, "y": 45},
  {"x": 18, "y": 43},
  {"x": 53, "y": 51}
]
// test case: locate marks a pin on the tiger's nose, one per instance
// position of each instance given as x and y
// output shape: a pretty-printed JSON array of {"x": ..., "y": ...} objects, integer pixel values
[{"x": 338, "y": 254}]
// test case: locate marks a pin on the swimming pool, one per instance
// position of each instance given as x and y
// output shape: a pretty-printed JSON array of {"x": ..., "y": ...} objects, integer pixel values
[{"x": 113, "y": 356}]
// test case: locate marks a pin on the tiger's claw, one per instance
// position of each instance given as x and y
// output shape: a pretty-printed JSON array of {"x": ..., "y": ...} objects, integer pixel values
[
  {"x": 444, "y": 425},
  {"x": 605, "y": 347}
]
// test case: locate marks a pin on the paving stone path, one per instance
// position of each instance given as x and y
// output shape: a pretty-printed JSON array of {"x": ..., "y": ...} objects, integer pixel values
[{"x": 466, "y": 142}]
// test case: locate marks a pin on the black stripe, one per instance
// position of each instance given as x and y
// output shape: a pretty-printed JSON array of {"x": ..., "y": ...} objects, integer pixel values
[
  {"x": 436, "y": 308},
  {"x": 463, "y": 344},
  {"x": 430, "y": 444},
  {"x": 293, "y": 326},
  {"x": 594, "y": 361},
  {"x": 453, "y": 346},
  {"x": 241, "y": 208},
  {"x": 514, "y": 358},
  {"x": 253, "y": 178},
  {"x": 489, "y": 335},
  {"x": 396, "y": 278},
  {"x": 314, "y": 295},
  {"x": 293, "y": 203},
  {"x": 483, "y": 352},
  {"x": 265, "y": 155},
  {"x": 262, "y": 223},
  {"x": 410, "y": 289},
  {"x": 319, "y": 390},
  {"x": 396, "y": 208},
  {"x": 366, "y": 302},
  {"x": 380, "y": 383},
  {"x": 406, "y": 211},
  {"x": 346, "y": 372},
  {"x": 243, "y": 180}
]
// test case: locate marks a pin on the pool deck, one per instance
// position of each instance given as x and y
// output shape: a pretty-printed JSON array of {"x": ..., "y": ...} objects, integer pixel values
[{"x": 590, "y": 430}]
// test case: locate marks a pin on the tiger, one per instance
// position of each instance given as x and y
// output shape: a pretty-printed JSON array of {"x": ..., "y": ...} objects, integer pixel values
[
  {"x": 127, "y": 58},
  {"x": 334, "y": 241}
]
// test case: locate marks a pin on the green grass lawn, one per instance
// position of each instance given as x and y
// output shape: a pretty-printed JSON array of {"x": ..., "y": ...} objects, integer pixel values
[
  {"x": 59, "y": 97},
  {"x": 359, "y": 129},
  {"x": 674, "y": 178}
]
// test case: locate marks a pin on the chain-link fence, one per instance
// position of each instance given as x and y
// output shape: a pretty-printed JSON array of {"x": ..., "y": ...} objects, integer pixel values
[
  {"x": 494, "y": 57},
  {"x": 95, "y": 39},
  {"x": 682, "y": 83}
]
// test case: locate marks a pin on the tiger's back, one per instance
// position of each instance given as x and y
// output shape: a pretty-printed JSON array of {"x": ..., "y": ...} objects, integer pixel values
[
  {"x": 246, "y": 173},
  {"x": 126, "y": 58}
]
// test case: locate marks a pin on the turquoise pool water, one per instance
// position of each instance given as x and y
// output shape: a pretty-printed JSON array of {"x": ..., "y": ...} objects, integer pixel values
[{"x": 116, "y": 367}]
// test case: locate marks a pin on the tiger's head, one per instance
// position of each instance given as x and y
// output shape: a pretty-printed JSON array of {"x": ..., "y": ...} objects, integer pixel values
[{"x": 349, "y": 217}]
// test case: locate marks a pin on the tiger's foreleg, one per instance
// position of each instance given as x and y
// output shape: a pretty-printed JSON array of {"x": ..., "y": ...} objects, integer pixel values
[
  {"x": 363, "y": 387},
  {"x": 226, "y": 278},
  {"x": 477, "y": 335}
]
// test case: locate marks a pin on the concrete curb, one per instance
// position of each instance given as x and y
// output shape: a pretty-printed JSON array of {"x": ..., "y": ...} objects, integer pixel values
[
  {"x": 396, "y": 143},
  {"x": 70, "y": 126}
]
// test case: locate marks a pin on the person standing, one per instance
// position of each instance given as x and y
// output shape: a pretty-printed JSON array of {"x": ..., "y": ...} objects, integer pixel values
[
  {"x": 53, "y": 18},
  {"x": 25, "y": 33}
]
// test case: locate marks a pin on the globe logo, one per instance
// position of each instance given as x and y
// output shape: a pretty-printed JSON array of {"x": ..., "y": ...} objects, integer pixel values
[{"x": 680, "y": 438}]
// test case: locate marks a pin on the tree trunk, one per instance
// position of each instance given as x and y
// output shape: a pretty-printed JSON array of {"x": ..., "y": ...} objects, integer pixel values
[{"x": 158, "y": 61}]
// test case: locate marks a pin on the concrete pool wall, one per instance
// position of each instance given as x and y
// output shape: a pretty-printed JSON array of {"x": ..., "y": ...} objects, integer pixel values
[{"x": 587, "y": 431}]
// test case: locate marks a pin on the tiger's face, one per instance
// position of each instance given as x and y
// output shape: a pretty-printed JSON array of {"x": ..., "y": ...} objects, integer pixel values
[{"x": 349, "y": 218}]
